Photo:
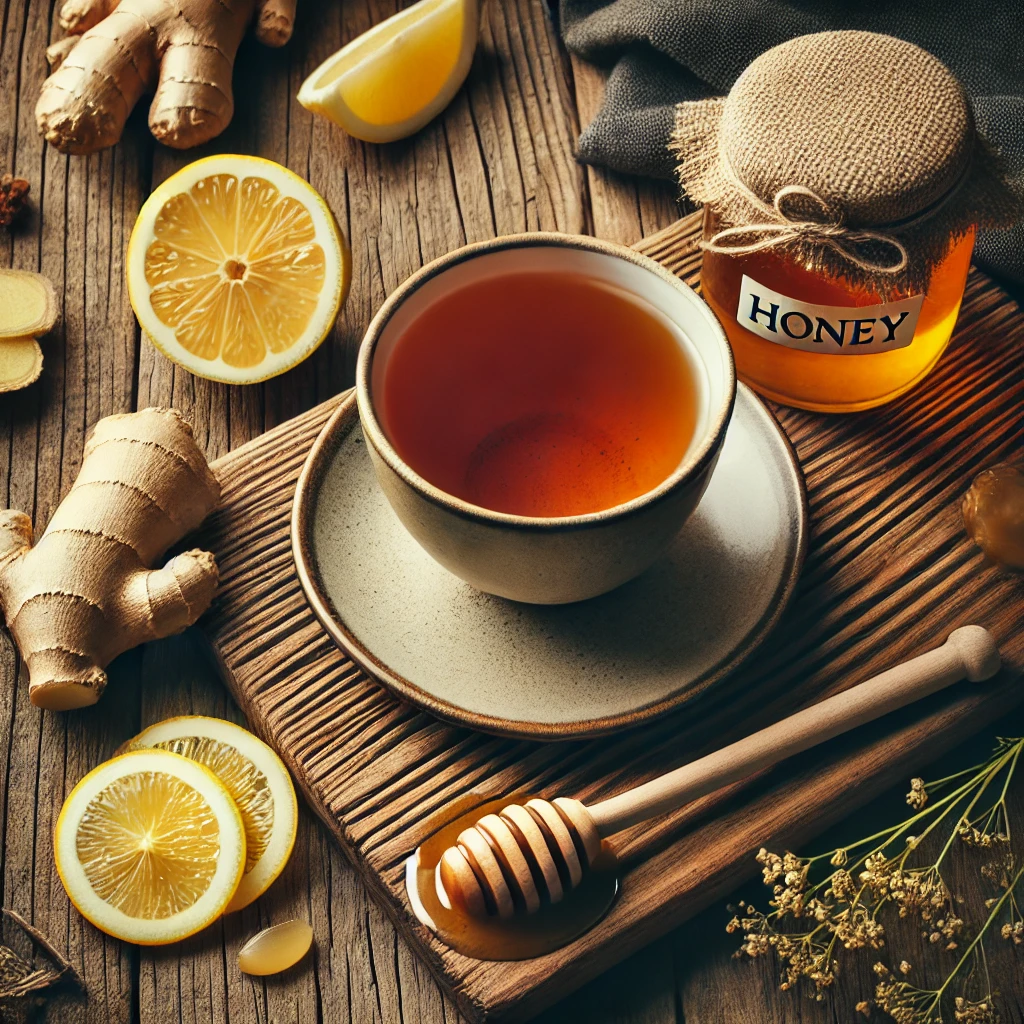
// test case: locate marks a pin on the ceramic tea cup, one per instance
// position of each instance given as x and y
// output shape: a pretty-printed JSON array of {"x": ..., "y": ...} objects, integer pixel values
[{"x": 547, "y": 559}]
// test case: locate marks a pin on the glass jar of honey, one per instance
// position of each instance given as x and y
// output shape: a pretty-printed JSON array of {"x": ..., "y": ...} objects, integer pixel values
[
  {"x": 842, "y": 180},
  {"x": 824, "y": 378}
]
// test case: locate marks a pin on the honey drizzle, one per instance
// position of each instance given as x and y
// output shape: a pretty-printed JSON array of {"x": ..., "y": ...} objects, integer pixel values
[
  {"x": 276, "y": 948},
  {"x": 519, "y": 938}
]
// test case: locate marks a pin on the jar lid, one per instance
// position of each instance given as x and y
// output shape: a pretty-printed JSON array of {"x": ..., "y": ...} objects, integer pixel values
[{"x": 856, "y": 149}]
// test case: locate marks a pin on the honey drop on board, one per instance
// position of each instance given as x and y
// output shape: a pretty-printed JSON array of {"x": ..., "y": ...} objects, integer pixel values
[
  {"x": 276, "y": 948},
  {"x": 993, "y": 511}
]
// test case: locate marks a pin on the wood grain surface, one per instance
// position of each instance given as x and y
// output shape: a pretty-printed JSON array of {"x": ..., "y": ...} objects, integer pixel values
[
  {"x": 499, "y": 160},
  {"x": 883, "y": 581}
]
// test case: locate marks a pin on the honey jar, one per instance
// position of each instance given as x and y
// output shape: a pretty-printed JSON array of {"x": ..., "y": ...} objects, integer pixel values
[{"x": 843, "y": 179}]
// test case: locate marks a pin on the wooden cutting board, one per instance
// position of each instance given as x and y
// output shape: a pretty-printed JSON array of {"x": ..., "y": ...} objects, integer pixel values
[{"x": 888, "y": 574}]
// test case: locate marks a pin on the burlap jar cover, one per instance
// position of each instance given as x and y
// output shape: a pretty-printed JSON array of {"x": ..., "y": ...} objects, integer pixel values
[{"x": 855, "y": 152}]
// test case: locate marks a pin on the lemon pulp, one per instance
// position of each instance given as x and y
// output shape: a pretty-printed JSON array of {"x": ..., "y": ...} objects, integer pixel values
[
  {"x": 234, "y": 269},
  {"x": 148, "y": 844},
  {"x": 254, "y": 778},
  {"x": 247, "y": 785}
]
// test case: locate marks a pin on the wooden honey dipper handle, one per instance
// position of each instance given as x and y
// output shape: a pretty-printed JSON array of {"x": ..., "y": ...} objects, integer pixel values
[
  {"x": 508, "y": 863},
  {"x": 969, "y": 652}
]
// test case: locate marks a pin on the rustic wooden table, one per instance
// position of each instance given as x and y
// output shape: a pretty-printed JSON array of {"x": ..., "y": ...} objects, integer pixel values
[{"x": 499, "y": 160}]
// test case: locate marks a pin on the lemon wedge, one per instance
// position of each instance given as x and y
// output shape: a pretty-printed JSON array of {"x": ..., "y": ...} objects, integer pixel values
[
  {"x": 390, "y": 81},
  {"x": 257, "y": 780},
  {"x": 236, "y": 268},
  {"x": 150, "y": 847}
]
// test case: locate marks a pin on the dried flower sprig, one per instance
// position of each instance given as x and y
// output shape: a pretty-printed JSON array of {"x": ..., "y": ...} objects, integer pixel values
[
  {"x": 20, "y": 978},
  {"x": 809, "y": 923}
]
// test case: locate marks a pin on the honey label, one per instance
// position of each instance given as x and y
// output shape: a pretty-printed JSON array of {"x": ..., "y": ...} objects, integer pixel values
[{"x": 833, "y": 330}]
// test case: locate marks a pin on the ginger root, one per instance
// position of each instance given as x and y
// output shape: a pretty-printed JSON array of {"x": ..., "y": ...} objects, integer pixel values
[
  {"x": 185, "y": 49},
  {"x": 86, "y": 591}
]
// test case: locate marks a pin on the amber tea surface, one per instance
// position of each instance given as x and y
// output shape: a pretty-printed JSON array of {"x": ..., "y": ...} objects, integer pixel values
[{"x": 544, "y": 395}]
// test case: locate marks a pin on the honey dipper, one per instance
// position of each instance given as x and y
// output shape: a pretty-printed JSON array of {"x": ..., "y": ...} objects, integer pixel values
[{"x": 509, "y": 863}]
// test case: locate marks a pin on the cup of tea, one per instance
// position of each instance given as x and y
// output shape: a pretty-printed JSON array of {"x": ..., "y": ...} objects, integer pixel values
[{"x": 544, "y": 411}]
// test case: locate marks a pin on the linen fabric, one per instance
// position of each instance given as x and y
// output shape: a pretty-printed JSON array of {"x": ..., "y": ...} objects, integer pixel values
[
  {"x": 854, "y": 150},
  {"x": 664, "y": 52}
]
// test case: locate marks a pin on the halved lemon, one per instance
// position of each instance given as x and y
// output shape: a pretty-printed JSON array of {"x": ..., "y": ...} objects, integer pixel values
[
  {"x": 150, "y": 847},
  {"x": 390, "y": 81},
  {"x": 236, "y": 268},
  {"x": 257, "y": 780}
]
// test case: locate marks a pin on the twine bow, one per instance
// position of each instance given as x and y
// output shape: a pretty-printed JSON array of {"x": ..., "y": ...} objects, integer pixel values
[{"x": 830, "y": 230}]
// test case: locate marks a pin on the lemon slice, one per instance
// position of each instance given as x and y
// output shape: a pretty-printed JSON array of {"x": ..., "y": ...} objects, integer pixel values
[
  {"x": 236, "y": 268},
  {"x": 150, "y": 847},
  {"x": 390, "y": 81},
  {"x": 257, "y": 780}
]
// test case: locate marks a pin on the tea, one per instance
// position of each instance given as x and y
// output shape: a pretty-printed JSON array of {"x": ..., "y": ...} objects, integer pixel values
[{"x": 541, "y": 394}]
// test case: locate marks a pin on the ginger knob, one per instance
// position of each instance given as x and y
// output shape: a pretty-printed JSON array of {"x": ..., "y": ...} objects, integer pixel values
[
  {"x": 993, "y": 512},
  {"x": 183, "y": 52},
  {"x": 87, "y": 590}
]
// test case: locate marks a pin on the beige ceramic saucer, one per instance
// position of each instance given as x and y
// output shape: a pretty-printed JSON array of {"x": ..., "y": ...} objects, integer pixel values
[{"x": 553, "y": 671}]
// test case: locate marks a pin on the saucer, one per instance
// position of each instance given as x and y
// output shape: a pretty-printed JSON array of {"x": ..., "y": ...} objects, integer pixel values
[{"x": 553, "y": 671}]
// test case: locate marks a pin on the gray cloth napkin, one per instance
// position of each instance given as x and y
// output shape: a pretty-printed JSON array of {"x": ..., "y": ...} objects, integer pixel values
[{"x": 662, "y": 52}]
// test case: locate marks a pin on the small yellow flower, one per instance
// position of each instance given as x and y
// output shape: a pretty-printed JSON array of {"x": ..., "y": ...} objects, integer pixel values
[
  {"x": 918, "y": 795},
  {"x": 812, "y": 920}
]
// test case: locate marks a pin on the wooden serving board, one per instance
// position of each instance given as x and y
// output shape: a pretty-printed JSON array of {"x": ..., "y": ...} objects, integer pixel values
[{"x": 889, "y": 573}]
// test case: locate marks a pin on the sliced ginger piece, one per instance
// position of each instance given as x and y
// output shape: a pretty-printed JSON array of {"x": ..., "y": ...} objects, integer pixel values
[
  {"x": 28, "y": 304},
  {"x": 21, "y": 362}
]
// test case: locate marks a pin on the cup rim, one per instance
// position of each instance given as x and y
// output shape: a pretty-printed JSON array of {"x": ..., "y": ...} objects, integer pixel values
[{"x": 690, "y": 467}]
